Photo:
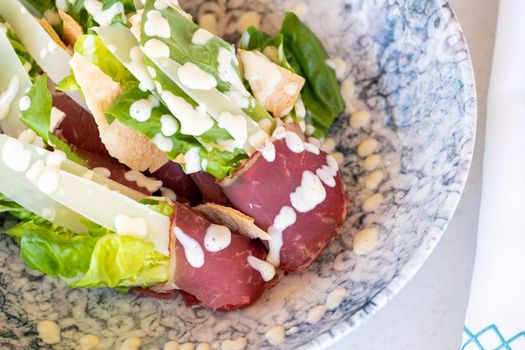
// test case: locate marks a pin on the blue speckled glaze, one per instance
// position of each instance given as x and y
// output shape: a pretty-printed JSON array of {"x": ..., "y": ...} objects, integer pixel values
[{"x": 409, "y": 65}]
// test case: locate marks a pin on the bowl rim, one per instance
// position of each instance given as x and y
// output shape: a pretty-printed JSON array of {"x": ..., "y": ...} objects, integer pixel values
[{"x": 432, "y": 238}]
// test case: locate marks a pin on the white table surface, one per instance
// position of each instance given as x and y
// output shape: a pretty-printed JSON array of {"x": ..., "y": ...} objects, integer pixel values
[{"x": 429, "y": 312}]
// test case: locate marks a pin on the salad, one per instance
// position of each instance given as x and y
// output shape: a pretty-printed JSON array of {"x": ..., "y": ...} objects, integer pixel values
[{"x": 143, "y": 153}]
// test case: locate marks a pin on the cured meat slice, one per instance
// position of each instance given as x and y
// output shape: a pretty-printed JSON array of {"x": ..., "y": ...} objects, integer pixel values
[
  {"x": 213, "y": 267},
  {"x": 295, "y": 192}
]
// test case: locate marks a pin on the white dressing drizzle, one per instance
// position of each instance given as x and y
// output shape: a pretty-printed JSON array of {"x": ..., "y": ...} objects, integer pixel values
[
  {"x": 263, "y": 75},
  {"x": 193, "y": 77},
  {"x": 169, "y": 125},
  {"x": 137, "y": 67},
  {"x": 227, "y": 73},
  {"x": 140, "y": 110},
  {"x": 8, "y": 96},
  {"x": 294, "y": 142},
  {"x": 101, "y": 16},
  {"x": 217, "y": 238},
  {"x": 309, "y": 194},
  {"x": 236, "y": 126},
  {"x": 192, "y": 249},
  {"x": 15, "y": 156},
  {"x": 286, "y": 218},
  {"x": 201, "y": 37},
  {"x": 156, "y": 25},
  {"x": 268, "y": 151},
  {"x": 192, "y": 161},
  {"x": 142, "y": 180},
  {"x": 162, "y": 142},
  {"x": 102, "y": 171},
  {"x": 266, "y": 269},
  {"x": 24, "y": 104},
  {"x": 156, "y": 48}
]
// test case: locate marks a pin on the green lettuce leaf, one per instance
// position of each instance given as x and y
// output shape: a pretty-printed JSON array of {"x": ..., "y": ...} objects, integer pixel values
[
  {"x": 98, "y": 259},
  {"x": 121, "y": 261},
  {"x": 91, "y": 47},
  {"x": 219, "y": 163},
  {"x": 206, "y": 56},
  {"x": 38, "y": 117},
  {"x": 33, "y": 69},
  {"x": 159, "y": 204},
  {"x": 307, "y": 56}
]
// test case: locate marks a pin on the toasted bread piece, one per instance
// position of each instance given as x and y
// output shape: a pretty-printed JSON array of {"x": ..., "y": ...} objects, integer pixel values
[
  {"x": 276, "y": 88},
  {"x": 53, "y": 34},
  {"x": 233, "y": 219},
  {"x": 72, "y": 30},
  {"x": 130, "y": 147}
]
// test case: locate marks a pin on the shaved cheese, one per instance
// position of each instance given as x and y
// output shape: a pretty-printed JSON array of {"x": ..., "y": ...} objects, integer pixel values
[
  {"x": 14, "y": 81},
  {"x": 36, "y": 40}
]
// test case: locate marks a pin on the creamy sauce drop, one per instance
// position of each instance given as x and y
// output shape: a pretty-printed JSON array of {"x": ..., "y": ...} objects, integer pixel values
[
  {"x": 192, "y": 249},
  {"x": 24, "y": 104},
  {"x": 367, "y": 147},
  {"x": 15, "y": 156},
  {"x": 101, "y": 16},
  {"x": 102, "y": 171},
  {"x": 236, "y": 344},
  {"x": 193, "y": 121},
  {"x": 195, "y": 78},
  {"x": 294, "y": 142},
  {"x": 291, "y": 89},
  {"x": 88, "y": 342},
  {"x": 327, "y": 175},
  {"x": 373, "y": 180},
  {"x": 335, "y": 298},
  {"x": 371, "y": 162},
  {"x": 169, "y": 125},
  {"x": 266, "y": 269},
  {"x": 286, "y": 218},
  {"x": 316, "y": 314},
  {"x": 157, "y": 49},
  {"x": 309, "y": 194},
  {"x": 129, "y": 226},
  {"x": 201, "y": 37},
  {"x": 241, "y": 100},
  {"x": 49, "y": 332},
  {"x": 268, "y": 151},
  {"x": 275, "y": 335},
  {"x": 217, "y": 238},
  {"x": 168, "y": 193},
  {"x": 162, "y": 142},
  {"x": 156, "y": 25},
  {"x": 236, "y": 126},
  {"x": 373, "y": 202},
  {"x": 258, "y": 139},
  {"x": 365, "y": 241},
  {"x": 142, "y": 180},
  {"x": 131, "y": 344},
  {"x": 360, "y": 119},
  {"x": 311, "y": 148},
  {"x": 140, "y": 110},
  {"x": 192, "y": 161},
  {"x": 8, "y": 96}
]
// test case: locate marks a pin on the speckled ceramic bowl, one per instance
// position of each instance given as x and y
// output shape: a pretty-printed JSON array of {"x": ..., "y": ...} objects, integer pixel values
[{"x": 409, "y": 65}]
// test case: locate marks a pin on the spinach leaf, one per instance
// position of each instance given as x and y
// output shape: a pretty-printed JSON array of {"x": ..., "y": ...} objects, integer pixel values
[{"x": 307, "y": 55}]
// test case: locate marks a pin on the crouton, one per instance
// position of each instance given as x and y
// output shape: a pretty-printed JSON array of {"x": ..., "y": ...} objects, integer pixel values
[
  {"x": 127, "y": 145},
  {"x": 53, "y": 34},
  {"x": 72, "y": 30},
  {"x": 277, "y": 89},
  {"x": 233, "y": 219}
]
